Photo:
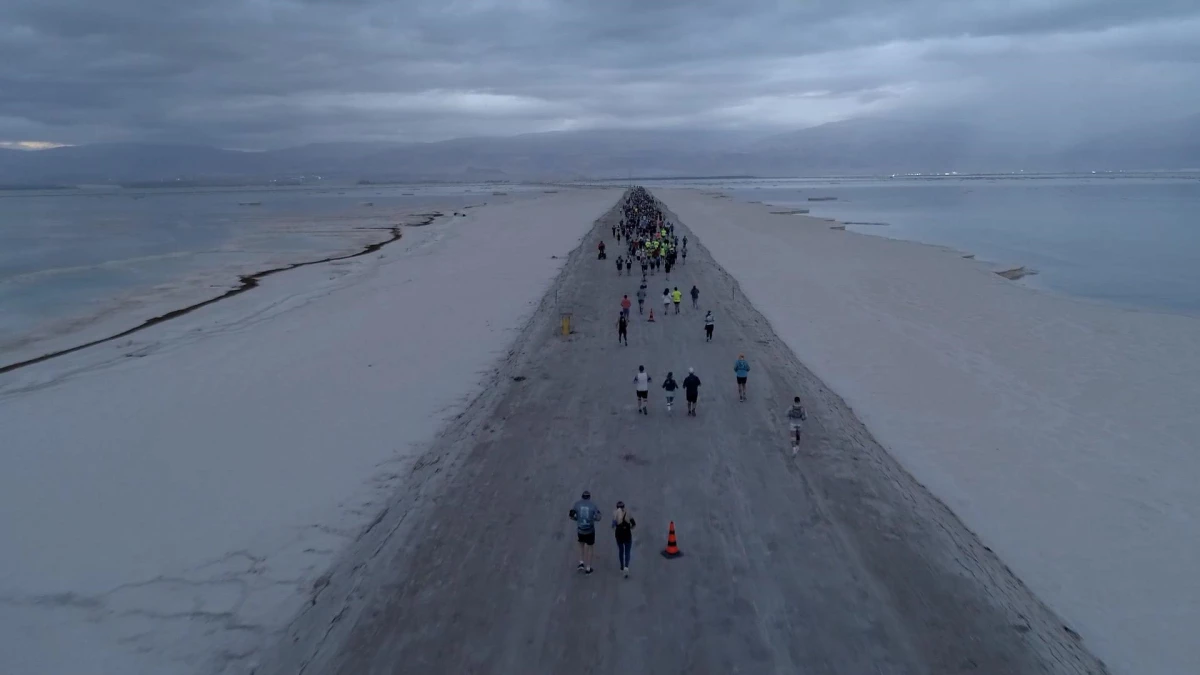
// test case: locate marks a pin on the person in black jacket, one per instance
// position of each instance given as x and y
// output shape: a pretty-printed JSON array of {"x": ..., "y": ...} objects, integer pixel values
[
  {"x": 691, "y": 391},
  {"x": 623, "y": 525},
  {"x": 670, "y": 385}
]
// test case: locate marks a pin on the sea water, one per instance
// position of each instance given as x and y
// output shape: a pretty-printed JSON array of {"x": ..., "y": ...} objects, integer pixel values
[
  {"x": 69, "y": 255},
  {"x": 1127, "y": 240}
]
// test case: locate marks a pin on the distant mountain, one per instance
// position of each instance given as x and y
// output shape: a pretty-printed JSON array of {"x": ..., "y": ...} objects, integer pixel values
[
  {"x": 887, "y": 146},
  {"x": 120, "y": 162},
  {"x": 1170, "y": 145},
  {"x": 859, "y": 146}
]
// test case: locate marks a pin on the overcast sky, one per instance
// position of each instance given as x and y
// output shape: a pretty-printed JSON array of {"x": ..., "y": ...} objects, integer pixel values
[{"x": 269, "y": 73}]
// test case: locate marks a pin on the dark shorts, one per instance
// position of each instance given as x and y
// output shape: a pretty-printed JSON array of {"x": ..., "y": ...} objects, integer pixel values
[
  {"x": 691, "y": 398},
  {"x": 588, "y": 538},
  {"x": 643, "y": 394},
  {"x": 741, "y": 380}
]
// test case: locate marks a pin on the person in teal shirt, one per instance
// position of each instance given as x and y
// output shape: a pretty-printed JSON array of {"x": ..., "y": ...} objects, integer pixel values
[{"x": 741, "y": 368}]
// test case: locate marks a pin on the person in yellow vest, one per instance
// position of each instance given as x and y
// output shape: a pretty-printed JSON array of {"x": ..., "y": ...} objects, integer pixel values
[{"x": 676, "y": 297}]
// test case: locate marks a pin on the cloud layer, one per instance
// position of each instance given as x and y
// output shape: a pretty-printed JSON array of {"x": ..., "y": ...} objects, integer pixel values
[{"x": 268, "y": 73}]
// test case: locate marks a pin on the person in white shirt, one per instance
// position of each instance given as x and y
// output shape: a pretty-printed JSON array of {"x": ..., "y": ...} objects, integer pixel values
[{"x": 641, "y": 383}]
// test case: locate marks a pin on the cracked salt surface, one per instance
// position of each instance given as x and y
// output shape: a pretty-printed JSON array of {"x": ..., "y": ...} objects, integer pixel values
[{"x": 174, "y": 511}]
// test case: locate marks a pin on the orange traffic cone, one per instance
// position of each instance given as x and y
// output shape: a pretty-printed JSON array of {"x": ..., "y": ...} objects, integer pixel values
[
  {"x": 672, "y": 550},
  {"x": 651, "y": 314}
]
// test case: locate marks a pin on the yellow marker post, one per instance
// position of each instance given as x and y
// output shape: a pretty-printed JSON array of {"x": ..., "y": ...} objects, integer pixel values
[{"x": 566, "y": 323}]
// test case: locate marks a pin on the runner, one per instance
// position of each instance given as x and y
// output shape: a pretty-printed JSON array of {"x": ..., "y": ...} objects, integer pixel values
[
  {"x": 685, "y": 254},
  {"x": 620, "y": 265},
  {"x": 623, "y": 525},
  {"x": 666, "y": 300},
  {"x": 622, "y": 328},
  {"x": 708, "y": 326},
  {"x": 691, "y": 391},
  {"x": 741, "y": 368},
  {"x": 641, "y": 297},
  {"x": 641, "y": 383},
  {"x": 602, "y": 256},
  {"x": 625, "y": 305},
  {"x": 796, "y": 416},
  {"x": 695, "y": 297},
  {"x": 676, "y": 297},
  {"x": 586, "y": 515},
  {"x": 670, "y": 386}
]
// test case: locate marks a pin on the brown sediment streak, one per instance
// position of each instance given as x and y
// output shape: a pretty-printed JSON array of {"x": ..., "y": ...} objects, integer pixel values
[{"x": 247, "y": 282}]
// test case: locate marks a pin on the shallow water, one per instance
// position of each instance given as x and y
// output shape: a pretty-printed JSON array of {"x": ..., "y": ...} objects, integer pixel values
[
  {"x": 68, "y": 255},
  {"x": 1131, "y": 241}
]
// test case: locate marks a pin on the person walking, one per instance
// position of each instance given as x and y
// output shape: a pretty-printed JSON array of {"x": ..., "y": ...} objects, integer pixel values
[
  {"x": 641, "y": 297},
  {"x": 695, "y": 297},
  {"x": 666, "y": 300},
  {"x": 623, "y": 329},
  {"x": 741, "y": 368},
  {"x": 676, "y": 297},
  {"x": 669, "y": 385},
  {"x": 623, "y": 525},
  {"x": 620, "y": 265},
  {"x": 691, "y": 391},
  {"x": 708, "y": 326},
  {"x": 625, "y": 305},
  {"x": 641, "y": 383},
  {"x": 586, "y": 515}
]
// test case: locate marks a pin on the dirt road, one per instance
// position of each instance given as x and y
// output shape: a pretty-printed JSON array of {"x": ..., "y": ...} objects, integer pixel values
[{"x": 833, "y": 561}]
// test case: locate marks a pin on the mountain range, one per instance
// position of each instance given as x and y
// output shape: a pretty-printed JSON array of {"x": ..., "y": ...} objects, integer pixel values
[{"x": 858, "y": 146}]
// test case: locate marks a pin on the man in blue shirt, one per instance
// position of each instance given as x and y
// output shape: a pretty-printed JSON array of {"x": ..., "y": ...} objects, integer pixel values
[
  {"x": 741, "y": 368},
  {"x": 586, "y": 515}
]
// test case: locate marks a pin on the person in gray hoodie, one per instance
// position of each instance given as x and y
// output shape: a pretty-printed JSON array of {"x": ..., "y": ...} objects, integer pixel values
[{"x": 586, "y": 515}]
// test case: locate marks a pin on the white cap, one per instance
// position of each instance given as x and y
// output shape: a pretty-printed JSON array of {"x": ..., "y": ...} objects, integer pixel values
[{"x": 691, "y": 370}]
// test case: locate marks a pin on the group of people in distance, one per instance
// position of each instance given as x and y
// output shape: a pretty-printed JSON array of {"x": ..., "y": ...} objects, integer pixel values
[{"x": 651, "y": 243}]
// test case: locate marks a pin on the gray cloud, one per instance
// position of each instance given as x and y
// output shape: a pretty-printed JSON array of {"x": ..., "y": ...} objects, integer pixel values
[{"x": 266, "y": 73}]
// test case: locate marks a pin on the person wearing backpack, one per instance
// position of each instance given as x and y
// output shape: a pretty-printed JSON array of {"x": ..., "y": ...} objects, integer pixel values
[{"x": 623, "y": 525}]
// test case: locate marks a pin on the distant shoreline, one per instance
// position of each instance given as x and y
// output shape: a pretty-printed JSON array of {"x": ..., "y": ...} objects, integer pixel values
[{"x": 246, "y": 282}]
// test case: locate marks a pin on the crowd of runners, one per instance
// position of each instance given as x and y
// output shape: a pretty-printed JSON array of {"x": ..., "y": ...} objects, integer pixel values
[{"x": 651, "y": 244}]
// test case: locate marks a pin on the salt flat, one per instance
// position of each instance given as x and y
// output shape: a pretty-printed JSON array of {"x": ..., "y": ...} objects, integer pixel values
[
  {"x": 168, "y": 501},
  {"x": 1063, "y": 432}
]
